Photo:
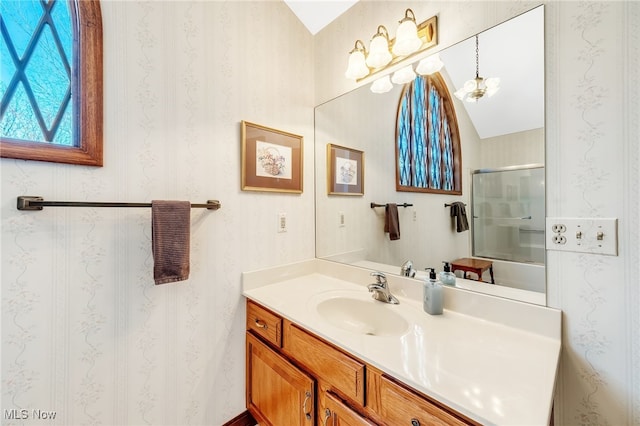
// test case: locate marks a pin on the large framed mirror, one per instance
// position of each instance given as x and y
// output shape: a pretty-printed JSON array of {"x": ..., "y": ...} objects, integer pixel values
[{"x": 502, "y": 132}]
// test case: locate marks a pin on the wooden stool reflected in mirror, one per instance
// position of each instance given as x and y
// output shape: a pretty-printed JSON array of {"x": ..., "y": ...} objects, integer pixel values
[{"x": 476, "y": 266}]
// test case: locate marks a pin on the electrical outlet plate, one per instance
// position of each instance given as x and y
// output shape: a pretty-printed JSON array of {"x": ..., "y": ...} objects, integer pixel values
[
  {"x": 341, "y": 221},
  {"x": 583, "y": 235}
]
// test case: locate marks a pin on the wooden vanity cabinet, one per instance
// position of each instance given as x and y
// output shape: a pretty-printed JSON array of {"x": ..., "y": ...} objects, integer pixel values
[{"x": 296, "y": 378}]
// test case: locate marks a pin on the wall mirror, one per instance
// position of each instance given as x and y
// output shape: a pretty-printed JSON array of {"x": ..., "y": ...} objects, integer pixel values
[{"x": 500, "y": 133}]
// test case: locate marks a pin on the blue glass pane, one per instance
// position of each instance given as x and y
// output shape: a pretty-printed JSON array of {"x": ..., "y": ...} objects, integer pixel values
[
  {"x": 435, "y": 154},
  {"x": 19, "y": 121},
  {"x": 447, "y": 156},
  {"x": 21, "y": 18},
  {"x": 47, "y": 77},
  {"x": 404, "y": 128},
  {"x": 418, "y": 137},
  {"x": 62, "y": 18},
  {"x": 7, "y": 68},
  {"x": 64, "y": 134}
]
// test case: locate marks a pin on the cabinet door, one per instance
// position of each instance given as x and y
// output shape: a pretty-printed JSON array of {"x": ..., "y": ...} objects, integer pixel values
[
  {"x": 337, "y": 413},
  {"x": 278, "y": 393}
]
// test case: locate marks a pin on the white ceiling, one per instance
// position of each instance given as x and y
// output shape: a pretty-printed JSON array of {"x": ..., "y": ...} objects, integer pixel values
[{"x": 316, "y": 14}]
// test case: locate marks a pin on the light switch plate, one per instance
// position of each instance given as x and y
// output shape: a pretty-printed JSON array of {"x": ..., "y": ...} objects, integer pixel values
[
  {"x": 282, "y": 222},
  {"x": 583, "y": 235}
]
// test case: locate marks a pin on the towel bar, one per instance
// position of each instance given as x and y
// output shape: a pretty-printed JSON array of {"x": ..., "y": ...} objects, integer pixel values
[
  {"x": 384, "y": 205},
  {"x": 37, "y": 203}
]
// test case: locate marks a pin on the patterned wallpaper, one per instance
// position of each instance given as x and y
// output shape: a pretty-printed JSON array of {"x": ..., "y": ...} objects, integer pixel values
[
  {"x": 592, "y": 154},
  {"x": 85, "y": 332}
]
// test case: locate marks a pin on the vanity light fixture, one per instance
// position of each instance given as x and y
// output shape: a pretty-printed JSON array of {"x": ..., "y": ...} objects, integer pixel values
[
  {"x": 407, "y": 40},
  {"x": 357, "y": 66},
  {"x": 384, "y": 52},
  {"x": 475, "y": 89},
  {"x": 382, "y": 85},
  {"x": 405, "y": 75},
  {"x": 429, "y": 65},
  {"x": 379, "y": 54}
]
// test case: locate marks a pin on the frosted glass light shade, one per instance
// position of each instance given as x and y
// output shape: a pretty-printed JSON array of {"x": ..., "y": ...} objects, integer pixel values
[
  {"x": 403, "y": 75},
  {"x": 407, "y": 40},
  {"x": 379, "y": 54},
  {"x": 493, "y": 85},
  {"x": 357, "y": 67},
  {"x": 382, "y": 85},
  {"x": 429, "y": 65}
]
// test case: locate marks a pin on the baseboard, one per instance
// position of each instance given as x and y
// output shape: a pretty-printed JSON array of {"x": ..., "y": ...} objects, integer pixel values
[{"x": 243, "y": 419}]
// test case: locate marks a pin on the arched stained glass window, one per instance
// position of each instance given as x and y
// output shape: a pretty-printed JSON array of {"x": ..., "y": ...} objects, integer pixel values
[
  {"x": 427, "y": 139},
  {"x": 51, "y": 81}
]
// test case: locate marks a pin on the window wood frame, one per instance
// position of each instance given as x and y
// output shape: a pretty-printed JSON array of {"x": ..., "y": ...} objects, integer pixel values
[
  {"x": 449, "y": 110},
  {"x": 87, "y": 92}
]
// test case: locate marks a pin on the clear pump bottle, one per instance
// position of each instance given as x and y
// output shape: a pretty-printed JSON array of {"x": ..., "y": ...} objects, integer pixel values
[
  {"x": 447, "y": 277},
  {"x": 433, "y": 294}
]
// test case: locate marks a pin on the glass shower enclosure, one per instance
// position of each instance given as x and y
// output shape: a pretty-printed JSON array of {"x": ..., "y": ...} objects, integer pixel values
[{"x": 508, "y": 209}]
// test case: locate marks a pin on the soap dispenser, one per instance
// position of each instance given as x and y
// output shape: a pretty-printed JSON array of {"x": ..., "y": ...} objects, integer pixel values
[
  {"x": 447, "y": 277},
  {"x": 432, "y": 297}
]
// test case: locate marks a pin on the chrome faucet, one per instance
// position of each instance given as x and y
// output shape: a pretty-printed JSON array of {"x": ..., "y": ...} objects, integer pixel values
[
  {"x": 406, "y": 270},
  {"x": 380, "y": 289}
]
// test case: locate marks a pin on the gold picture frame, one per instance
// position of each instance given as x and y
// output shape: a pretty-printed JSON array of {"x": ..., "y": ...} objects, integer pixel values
[
  {"x": 345, "y": 170},
  {"x": 272, "y": 160}
]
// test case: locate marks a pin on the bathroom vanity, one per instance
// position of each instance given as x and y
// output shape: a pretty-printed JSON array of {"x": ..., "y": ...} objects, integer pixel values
[{"x": 320, "y": 350}]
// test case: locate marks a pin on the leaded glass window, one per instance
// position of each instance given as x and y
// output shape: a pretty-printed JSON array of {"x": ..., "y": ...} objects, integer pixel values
[
  {"x": 51, "y": 80},
  {"x": 427, "y": 138}
]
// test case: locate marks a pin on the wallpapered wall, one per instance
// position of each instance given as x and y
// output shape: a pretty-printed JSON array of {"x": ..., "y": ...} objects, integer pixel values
[
  {"x": 592, "y": 132},
  {"x": 85, "y": 332}
]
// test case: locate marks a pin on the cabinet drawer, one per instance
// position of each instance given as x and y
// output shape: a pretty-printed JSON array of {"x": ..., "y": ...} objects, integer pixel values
[
  {"x": 400, "y": 406},
  {"x": 337, "y": 413},
  {"x": 343, "y": 373},
  {"x": 264, "y": 323}
]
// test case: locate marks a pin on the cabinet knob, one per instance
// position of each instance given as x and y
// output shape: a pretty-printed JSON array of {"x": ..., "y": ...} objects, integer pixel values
[
  {"x": 261, "y": 324},
  {"x": 415, "y": 422}
]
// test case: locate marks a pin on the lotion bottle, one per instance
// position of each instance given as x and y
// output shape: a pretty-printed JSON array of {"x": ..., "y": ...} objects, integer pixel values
[
  {"x": 447, "y": 277},
  {"x": 432, "y": 296}
]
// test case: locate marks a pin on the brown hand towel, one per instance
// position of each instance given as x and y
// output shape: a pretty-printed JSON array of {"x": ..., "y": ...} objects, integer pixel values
[
  {"x": 170, "y": 229},
  {"x": 460, "y": 214},
  {"x": 391, "y": 221}
]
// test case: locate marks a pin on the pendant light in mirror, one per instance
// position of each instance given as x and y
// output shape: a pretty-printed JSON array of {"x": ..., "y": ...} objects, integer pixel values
[{"x": 476, "y": 88}]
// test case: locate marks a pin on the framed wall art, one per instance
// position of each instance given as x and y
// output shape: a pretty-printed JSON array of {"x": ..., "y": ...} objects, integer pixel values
[
  {"x": 345, "y": 171},
  {"x": 272, "y": 160}
]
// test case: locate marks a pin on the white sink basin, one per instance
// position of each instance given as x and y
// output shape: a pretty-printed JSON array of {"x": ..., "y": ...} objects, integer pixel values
[{"x": 368, "y": 317}]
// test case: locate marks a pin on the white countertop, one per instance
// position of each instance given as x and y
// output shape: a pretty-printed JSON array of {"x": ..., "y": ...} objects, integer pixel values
[{"x": 487, "y": 367}]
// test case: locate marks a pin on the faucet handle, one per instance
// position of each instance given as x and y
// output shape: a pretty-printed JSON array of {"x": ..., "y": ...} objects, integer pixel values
[{"x": 380, "y": 277}]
